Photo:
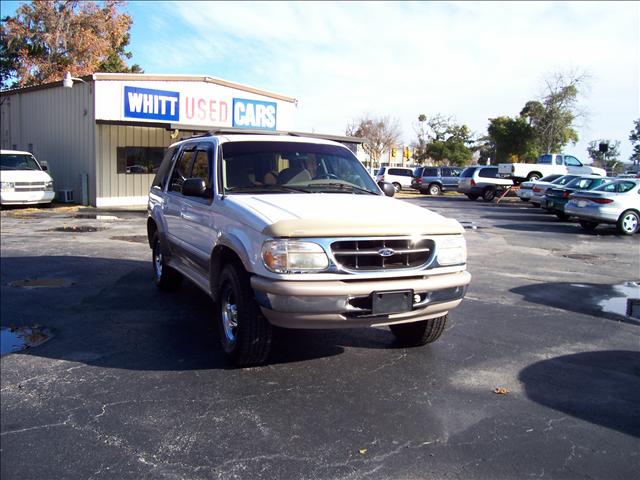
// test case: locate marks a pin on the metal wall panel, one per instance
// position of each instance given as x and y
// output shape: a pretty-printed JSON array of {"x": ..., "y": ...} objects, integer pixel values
[{"x": 57, "y": 125}]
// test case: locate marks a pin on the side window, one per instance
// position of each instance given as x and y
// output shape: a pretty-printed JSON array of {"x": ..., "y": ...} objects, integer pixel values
[
  {"x": 200, "y": 167},
  {"x": 559, "y": 159},
  {"x": 430, "y": 172},
  {"x": 181, "y": 171},
  {"x": 455, "y": 172},
  {"x": 446, "y": 172},
  {"x": 572, "y": 161},
  {"x": 489, "y": 173},
  {"x": 625, "y": 186}
]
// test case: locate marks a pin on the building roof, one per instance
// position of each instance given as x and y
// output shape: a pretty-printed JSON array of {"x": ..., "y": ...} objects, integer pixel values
[{"x": 149, "y": 77}]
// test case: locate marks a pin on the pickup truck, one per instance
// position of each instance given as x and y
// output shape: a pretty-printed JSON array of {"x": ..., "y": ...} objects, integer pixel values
[
  {"x": 292, "y": 232},
  {"x": 548, "y": 164}
]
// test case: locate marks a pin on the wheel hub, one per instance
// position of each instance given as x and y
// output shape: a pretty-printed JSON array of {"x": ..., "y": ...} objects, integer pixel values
[
  {"x": 229, "y": 317},
  {"x": 157, "y": 262},
  {"x": 630, "y": 223}
]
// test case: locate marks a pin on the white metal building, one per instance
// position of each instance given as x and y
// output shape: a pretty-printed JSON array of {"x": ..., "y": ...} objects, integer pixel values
[{"x": 104, "y": 137}]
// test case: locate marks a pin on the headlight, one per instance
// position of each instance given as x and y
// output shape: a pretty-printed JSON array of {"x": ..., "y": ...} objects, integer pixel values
[
  {"x": 292, "y": 256},
  {"x": 7, "y": 186},
  {"x": 48, "y": 186},
  {"x": 452, "y": 250}
]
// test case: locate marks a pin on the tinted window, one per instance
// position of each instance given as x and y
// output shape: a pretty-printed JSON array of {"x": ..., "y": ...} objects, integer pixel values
[
  {"x": 545, "y": 159},
  {"x": 455, "y": 172},
  {"x": 200, "y": 167},
  {"x": 181, "y": 171},
  {"x": 468, "y": 172},
  {"x": 558, "y": 159},
  {"x": 139, "y": 159},
  {"x": 161, "y": 175},
  {"x": 400, "y": 171},
  {"x": 491, "y": 172},
  {"x": 430, "y": 172},
  {"x": 572, "y": 161},
  {"x": 550, "y": 178},
  {"x": 445, "y": 172},
  {"x": 417, "y": 172},
  {"x": 580, "y": 183},
  {"x": 382, "y": 170},
  {"x": 619, "y": 187}
]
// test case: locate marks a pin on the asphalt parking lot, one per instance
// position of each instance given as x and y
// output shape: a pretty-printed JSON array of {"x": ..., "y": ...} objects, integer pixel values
[{"x": 132, "y": 384}]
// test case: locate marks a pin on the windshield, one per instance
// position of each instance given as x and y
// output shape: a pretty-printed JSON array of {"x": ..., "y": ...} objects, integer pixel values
[
  {"x": 468, "y": 172},
  {"x": 564, "y": 179},
  {"x": 285, "y": 167},
  {"x": 18, "y": 161}
]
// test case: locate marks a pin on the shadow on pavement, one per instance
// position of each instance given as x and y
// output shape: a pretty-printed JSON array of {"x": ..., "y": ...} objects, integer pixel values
[
  {"x": 600, "y": 387},
  {"x": 576, "y": 297},
  {"x": 110, "y": 314}
]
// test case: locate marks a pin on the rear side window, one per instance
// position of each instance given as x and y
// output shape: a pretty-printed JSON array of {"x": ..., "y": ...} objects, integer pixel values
[
  {"x": 430, "y": 172},
  {"x": 491, "y": 172},
  {"x": 468, "y": 172},
  {"x": 160, "y": 179},
  {"x": 545, "y": 159}
]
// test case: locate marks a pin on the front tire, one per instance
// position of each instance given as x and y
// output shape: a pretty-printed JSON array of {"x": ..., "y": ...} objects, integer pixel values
[
  {"x": 488, "y": 194},
  {"x": 532, "y": 177},
  {"x": 245, "y": 334},
  {"x": 397, "y": 186},
  {"x": 165, "y": 277},
  {"x": 435, "y": 189},
  {"x": 419, "y": 333},
  {"x": 628, "y": 223}
]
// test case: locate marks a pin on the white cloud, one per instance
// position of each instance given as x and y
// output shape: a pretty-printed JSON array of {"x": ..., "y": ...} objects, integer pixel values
[{"x": 468, "y": 60}]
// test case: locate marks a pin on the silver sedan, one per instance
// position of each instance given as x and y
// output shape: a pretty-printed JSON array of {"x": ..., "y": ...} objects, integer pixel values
[{"x": 616, "y": 202}]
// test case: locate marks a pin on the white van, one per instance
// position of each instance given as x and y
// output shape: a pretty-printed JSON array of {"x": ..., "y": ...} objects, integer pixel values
[
  {"x": 23, "y": 180},
  {"x": 400, "y": 177}
]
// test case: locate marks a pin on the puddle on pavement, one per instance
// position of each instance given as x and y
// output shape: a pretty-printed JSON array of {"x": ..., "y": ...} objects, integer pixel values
[
  {"x": 76, "y": 229},
  {"x": 625, "y": 303},
  {"x": 95, "y": 216},
  {"x": 17, "y": 339},
  {"x": 42, "y": 283},
  {"x": 131, "y": 238}
]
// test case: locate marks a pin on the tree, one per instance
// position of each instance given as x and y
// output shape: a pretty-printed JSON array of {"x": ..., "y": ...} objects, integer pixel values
[
  {"x": 440, "y": 139},
  {"x": 513, "y": 139},
  {"x": 605, "y": 154},
  {"x": 380, "y": 134},
  {"x": 553, "y": 116},
  {"x": 634, "y": 138},
  {"x": 45, "y": 39}
]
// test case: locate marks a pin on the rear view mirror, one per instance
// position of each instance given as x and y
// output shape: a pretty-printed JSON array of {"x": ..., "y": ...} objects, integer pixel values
[
  {"x": 194, "y": 187},
  {"x": 387, "y": 188}
]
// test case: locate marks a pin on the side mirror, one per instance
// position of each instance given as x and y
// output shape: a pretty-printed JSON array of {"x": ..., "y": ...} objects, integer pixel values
[
  {"x": 44, "y": 165},
  {"x": 194, "y": 187},
  {"x": 387, "y": 188}
]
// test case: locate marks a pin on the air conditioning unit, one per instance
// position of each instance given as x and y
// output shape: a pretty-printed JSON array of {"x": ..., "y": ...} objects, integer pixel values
[{"x": 65, "y": 196}]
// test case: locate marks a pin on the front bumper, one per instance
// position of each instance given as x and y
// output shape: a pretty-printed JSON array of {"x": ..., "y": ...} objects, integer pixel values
[
  {"x": 337, "y": 304},
  {"x": 26, "y": 198}
]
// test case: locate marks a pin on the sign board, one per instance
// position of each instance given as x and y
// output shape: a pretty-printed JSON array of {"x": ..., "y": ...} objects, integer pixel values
[{"x": 195, "y": 104}]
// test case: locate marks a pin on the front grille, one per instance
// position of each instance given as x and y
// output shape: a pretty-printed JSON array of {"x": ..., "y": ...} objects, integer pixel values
[
  {"x": 365, "y": 255},
  {"x": 29, "y": 187}
]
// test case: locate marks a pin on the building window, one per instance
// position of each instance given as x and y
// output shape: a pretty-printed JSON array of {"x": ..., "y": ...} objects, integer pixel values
[{"x": 139, "y": 159}]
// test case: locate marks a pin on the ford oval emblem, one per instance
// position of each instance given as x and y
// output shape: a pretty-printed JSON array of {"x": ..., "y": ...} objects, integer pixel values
[{"x": 386, "y": 252}]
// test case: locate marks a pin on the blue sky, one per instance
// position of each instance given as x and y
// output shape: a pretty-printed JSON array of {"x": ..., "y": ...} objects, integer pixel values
[{"x": 470, "y": 60}]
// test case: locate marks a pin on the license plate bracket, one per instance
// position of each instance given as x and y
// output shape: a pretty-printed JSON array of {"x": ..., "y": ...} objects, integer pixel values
[{"x": 389, "y": 302}]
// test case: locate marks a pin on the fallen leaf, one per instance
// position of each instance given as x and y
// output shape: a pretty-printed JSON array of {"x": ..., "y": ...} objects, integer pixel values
[
  {"x": 500, "y": 390},
  {"x": 362, "y": 451}
]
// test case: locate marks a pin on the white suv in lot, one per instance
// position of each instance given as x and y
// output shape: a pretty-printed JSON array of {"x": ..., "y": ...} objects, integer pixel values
[
  {"x": 293, "y": 232},
  {"x": 399, "y": 177},
  {"x": 23, "y": 180}
]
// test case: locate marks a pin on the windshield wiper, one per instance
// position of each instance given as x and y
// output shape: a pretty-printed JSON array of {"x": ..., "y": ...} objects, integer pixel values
[
  {"x": 347, "y": 187},
  {"x": 265, "y": 189}
]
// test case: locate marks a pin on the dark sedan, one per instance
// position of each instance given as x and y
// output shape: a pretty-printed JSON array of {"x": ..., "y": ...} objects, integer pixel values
[{"x": 557, "y": 197}]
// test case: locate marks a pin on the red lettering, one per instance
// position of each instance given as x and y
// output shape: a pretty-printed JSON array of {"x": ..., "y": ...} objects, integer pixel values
[
  {"x": 188, "y": 113},
  {"x": 213, "y": 112},
  {"x": 202, "y": 113},
  {"x": 223, "y": 111}
]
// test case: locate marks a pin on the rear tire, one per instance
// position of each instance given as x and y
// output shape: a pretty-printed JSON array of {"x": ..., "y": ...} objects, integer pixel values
[
  {"x": 165, "y": 277},
  {"x": 488, "y": 194},
  {"x": 588, "y": 225},
  {"x": 419, "y": 333},
  {"x": 533, "y": 176},
  {"x": 245, "y": 334},
  {"x": 628, "y": 223},
  {"x": 435, "y": 189}
]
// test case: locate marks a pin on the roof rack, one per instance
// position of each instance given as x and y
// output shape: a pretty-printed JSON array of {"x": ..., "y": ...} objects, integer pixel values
[{"x": 248, "y": 131}]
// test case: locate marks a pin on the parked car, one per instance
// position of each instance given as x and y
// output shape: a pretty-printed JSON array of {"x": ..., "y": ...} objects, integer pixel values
[
  {"x": 616, "y": 202},
  {"x": 325, "y": 249},
  {"x": 525, "y": 192},
  {"x": 557, "y": 197},
  {"x": 546, "y": 165},
  {"x": 482, "y": 181},
  {"x": 23, "y": 180},
  {"x": 539, "y": 189},
  {"x": 435, "y": 180},
  {"x": 399, "y": 177}
]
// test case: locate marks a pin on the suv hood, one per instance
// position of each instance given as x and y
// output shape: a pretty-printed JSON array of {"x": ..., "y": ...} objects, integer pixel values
[
  {"x": 24, "y": 176},
  {"x": 335, "y": 215}
]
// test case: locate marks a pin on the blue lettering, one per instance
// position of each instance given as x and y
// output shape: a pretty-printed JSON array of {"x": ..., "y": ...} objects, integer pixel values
[{"x": 254, "y": 114}]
